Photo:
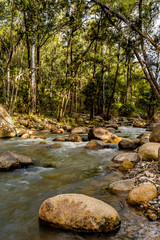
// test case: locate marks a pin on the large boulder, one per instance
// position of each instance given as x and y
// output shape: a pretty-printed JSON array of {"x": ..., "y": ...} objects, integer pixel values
[
  {"x": 74, "y": 138},
  {"x": 6, "y": 124},
  {"x": 149, "y": 151},
  {"x": 151, "y": 126},
  {"x": 54, "y": 129},
  {"x": 103, "y": 134},
  {"x": 144, "y": 138},
  {"x": 112, "y": 125},
  {"x": 22, "y": 132},
  {"x": 79, "y": 130},
  {"x": 10, "y": 160},
  {"x": 139, "y": 123},
  {"x": 142, "y": 194},
  {"x": 155, "y": 135},
  {"x": 127, "y": 143},
  {"x": 131, "y": 156},
  {"x": 121, "y": 186},
  {"x": 79, "y": 212},
  {"x": 95, "y": 145}
]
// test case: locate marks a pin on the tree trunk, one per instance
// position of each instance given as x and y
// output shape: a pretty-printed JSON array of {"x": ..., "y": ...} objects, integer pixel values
[
  {"x": 93, "y": 97},
  {"x": 104, "y": 96},
  {"x": 38, "y": 77},
  {"x": 114, "y": 86},
  {"x": 71, "y": 74},
  {"x": 128, "y": 81},
  {"x": 51, "y": 95},
  {"x": 33, "y": 77},
  {"x": 154, "y": 86}
]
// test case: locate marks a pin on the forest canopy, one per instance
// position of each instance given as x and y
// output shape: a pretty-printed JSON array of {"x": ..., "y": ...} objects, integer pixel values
[{"x": 96, "y": 57}]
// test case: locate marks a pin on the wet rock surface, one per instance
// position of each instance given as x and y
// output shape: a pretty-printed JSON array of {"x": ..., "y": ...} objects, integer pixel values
[
  {"x": 121, "y": 186},
  {"x": 128, "y": 143},
  {"x": 95, "y": 145},
  {"x": 102, "y": 134},
  {"x": 74, "y": 138},
  {"x": 10, "y": 161}
]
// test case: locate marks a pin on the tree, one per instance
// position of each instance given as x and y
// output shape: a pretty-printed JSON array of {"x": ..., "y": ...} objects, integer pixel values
[{"x": 137, "y": 21}]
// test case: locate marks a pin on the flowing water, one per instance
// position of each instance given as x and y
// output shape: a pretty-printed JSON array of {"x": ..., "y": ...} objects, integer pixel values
[{"x": 73, "y": 169}]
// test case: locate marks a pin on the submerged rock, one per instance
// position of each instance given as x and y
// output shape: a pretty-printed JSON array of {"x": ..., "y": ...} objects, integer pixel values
[
  {"x": 121, "y": 186},
  {"x": 79, "y": 212},
  {"x": 142, "y": 194},
  {"x": 10, "y": 160},
  {"x": 60, "y": 139}
]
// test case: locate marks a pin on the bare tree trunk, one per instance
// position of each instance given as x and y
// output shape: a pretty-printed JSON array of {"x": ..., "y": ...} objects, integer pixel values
[
  {"x": 154, "y": 86},
  {"x": 8, "y": 85},
  {"x": 38, "y": 77},
  {"x": 51, "y": 95},
  {"x": 33, "y": 78},
  {"x": 104, "y": 96},
  {"x": 128, "y": 81},
  {"x": 114, "y": 86},
  {"x": 61, "y": 110},
  {"x": 15, "y": 91},
  {"x": 93, "y": 97},
  {"x": 71, "y": 74},
  {"x": 66, "y": 103}
]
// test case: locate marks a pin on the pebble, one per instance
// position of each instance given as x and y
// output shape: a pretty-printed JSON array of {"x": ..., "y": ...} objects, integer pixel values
[{"x": 147, "y": 172}]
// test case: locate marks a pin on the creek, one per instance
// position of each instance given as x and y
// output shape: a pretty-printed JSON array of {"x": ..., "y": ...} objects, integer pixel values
[{"x": 73, "y": 169}]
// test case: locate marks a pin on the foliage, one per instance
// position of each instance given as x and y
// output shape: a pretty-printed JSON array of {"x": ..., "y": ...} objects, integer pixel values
[
  {"x": 126, "y": 109},
  {"x": 85, "y": 60}
]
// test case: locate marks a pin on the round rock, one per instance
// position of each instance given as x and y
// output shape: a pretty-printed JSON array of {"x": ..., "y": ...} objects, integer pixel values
[
  {"x": 10, "y": 160},
  {"x": 96, "y": 145},
  {"x": 121, "y": 186},
  {"x": 142, "y": 194},
  {"x": 74, "y": 138},
  {"x": 149, "y": 151},
  {"x": 79, "y": 212},
  {"x": 125, "y": 165},
  {"x": 131, "y": 156}
]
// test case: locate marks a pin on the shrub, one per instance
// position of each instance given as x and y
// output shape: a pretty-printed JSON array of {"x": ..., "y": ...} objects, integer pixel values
[{"x": 126, "y": 109}]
